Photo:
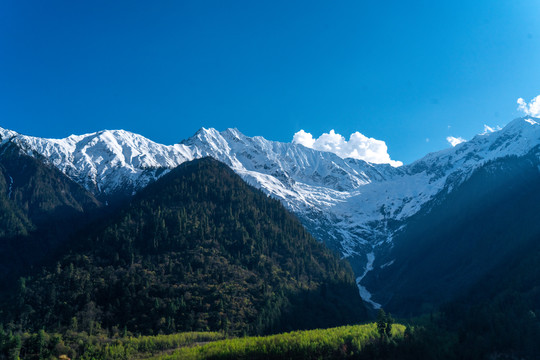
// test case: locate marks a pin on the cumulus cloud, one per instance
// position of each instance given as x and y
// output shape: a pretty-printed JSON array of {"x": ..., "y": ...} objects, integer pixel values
[
  {"x": 455, "y": 140},
  {"x": 532, "y": 108},
  {"x": 357, "y": 147},
  {"x": 303, "y": 138}
]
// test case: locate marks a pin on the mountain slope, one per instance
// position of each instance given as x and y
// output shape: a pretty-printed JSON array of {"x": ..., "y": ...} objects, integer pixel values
[
  {"x": 462, "y": 236},
  {"x": 39, "y": 208},
  {"x": 197, "y": 250}
]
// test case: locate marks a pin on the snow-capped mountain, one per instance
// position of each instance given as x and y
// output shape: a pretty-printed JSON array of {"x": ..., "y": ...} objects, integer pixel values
[
  {"x": 106, "y": 162},
  {"x": 353, "y": 206}
]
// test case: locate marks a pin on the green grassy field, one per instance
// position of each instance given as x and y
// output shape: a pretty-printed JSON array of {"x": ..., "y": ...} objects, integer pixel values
[{"x": 340, "y": 342}]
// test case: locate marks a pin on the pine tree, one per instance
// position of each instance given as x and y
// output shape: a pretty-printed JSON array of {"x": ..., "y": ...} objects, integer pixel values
[
  {"x": 381, "y": 322},
  {"x": 389, "y": 321}
]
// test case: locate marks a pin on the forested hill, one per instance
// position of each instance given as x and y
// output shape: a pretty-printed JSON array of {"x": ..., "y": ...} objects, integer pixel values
[
  {"x": 197, "y": 250},
  {"x": 39, "y": 208}
]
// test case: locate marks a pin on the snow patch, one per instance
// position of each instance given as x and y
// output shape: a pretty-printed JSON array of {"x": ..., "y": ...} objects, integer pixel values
[
  {"x": 489, "y": 129},
  {"x": 10, "y": 186},
  {"x": 387, "y": 264},
  {"x": 364, "y": 293},
  {"x": 531, "y": 121},
  {"x": 455, "y": 140}
]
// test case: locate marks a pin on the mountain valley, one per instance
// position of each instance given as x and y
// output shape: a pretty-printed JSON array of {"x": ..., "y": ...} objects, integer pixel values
[
  {"x": 356, "y": 208},
  {"x": 110, "y": 230}
]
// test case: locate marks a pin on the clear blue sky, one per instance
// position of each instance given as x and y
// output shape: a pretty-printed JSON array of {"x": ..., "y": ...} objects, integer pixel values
[{"x": 399, "y": 71}]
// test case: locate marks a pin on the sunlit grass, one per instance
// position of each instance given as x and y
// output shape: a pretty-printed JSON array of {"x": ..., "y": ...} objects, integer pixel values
[{"x": 321, "y": 343}]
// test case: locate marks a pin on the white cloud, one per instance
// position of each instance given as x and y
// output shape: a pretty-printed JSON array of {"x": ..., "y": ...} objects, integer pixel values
[
  {"x": 357, "y": 147},
  {"x": 532, "y": 108},
  {"x": 303, "y": 138},
  {"x": 455, "y": 140}
]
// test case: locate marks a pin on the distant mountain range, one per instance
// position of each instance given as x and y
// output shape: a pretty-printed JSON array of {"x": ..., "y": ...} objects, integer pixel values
[{"x": 408, "y": 232}]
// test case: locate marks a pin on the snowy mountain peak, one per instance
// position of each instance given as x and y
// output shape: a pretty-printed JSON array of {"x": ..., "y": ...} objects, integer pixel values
[
  {"x": 520, "y": 127},
  {"x": 210, "y": 135},
  {"x": 517, "y": 138},
  {"x": 524, "y": 122},
  {"x": 531, "y": 121},
  {"x": 107, "y": 161},
  {"x": 234, "y": 132},
  {"x": 6, "y": 134}
]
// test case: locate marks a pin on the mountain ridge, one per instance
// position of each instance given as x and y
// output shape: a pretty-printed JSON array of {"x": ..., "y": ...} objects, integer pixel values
[{"x": 355, "y": 207}]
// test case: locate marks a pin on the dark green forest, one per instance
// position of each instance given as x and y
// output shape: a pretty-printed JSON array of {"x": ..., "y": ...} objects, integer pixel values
[
  {"x": 40, "y": 208},
  {"x": 199, "y": 250}
]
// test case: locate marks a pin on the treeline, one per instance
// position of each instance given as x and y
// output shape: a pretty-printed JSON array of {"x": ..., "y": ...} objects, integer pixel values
[
  {"x": 199, "y": 250},
  {"x": 431, "y": 337},
  {"x": 347, "y": 342},
  {"x": 80, "y": 345}
]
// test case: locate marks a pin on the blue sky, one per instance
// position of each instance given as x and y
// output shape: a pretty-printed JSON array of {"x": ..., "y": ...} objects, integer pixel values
[{"x": 399, "y": 71}]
